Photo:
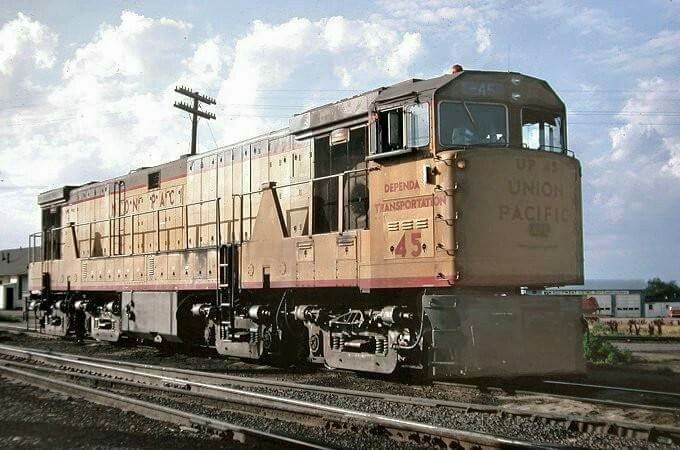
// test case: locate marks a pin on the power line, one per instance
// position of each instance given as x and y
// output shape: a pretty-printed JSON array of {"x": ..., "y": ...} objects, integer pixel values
[
  {"x": 620, "y": 90},
  {"x": 620, "y": 123},
  {"x": 38, "y": 104},
  {"x": 211, "y": 134},
  {"x": 619, "y": 113}
]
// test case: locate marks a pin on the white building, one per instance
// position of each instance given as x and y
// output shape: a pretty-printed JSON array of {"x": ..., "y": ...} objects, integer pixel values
[
  {"x": 13, "y": 277},
  {"x": 660, "y": 309},
  {"x": 615, "y": 298}
]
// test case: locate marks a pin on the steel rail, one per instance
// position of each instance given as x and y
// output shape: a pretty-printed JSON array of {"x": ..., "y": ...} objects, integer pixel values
[
  {"x": 420, "y": 432},
  {"x": 573, "y": 423},
  {"x": 18, "y": 329},
  {"x": 611, "y": 388},
  {"x": 15, "y": 328},
  {"x": 597, "y": 401},
  {"x": 154, "y": 411},
  {"x": 417, "y": 401}
]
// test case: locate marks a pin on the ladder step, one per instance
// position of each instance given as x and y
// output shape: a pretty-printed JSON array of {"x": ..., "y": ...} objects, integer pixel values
[
  {"x": 225, "y": 265},
  {"x": 223, "y": 285},
  {"x": 225, "y": 305}
]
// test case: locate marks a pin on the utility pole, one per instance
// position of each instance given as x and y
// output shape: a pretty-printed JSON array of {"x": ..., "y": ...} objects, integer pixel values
[{"x": 195, "y": 112}]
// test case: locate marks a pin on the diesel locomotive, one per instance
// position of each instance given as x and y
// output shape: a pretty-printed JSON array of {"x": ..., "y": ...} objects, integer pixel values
[{"x": 393, "y": 229}]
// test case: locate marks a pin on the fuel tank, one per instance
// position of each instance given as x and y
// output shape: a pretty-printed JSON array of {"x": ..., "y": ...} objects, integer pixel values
[{"x": 518, "y": 219}]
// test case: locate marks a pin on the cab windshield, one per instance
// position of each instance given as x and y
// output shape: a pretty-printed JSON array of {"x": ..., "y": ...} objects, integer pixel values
[
  {"x": 465, "y": 124},
  {"x": 542, "y": 130}
]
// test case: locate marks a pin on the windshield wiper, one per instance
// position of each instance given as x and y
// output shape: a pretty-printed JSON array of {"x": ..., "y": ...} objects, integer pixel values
[{"x": 472, "y": 120}]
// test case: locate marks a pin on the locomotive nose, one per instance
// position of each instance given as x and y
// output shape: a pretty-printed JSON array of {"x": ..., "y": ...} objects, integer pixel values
[{"x": 530, "y": 206}]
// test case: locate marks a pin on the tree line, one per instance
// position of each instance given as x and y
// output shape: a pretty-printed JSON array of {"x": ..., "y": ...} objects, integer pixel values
[{"x": 659, "y": 290}]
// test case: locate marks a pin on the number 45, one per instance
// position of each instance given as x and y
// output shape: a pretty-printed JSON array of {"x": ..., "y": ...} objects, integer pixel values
[{"x": 416, "y": 248}]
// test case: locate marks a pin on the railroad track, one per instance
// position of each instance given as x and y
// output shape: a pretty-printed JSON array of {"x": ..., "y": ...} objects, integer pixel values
[
  {"x": 155, "y": 411},
  {"x": 23, "y": 329},
  {"x": 250, "y": 391},
  {"x": 586, "y": 392},
  {"x": 579, "y": 391},
  {"x": 20, "y": 363},
  {"x": 647, "y": 398}
]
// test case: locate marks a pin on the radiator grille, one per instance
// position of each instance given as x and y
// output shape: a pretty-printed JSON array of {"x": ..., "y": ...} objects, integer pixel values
[{"x": 422, "y": 223}]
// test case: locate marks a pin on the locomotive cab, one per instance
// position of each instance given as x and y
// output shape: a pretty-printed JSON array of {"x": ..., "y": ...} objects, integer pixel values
[{"x": 491, "y": 151}]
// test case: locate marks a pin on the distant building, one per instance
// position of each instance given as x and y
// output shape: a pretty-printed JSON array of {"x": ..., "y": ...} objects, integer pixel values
[
  {"x": 615, "y": 298},
  {"x": 13, "y": 277},
  {"x": 662, "y": 309}
]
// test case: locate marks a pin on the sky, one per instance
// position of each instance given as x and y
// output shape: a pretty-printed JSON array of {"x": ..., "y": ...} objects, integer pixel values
[{"x": 86, "y": 91}]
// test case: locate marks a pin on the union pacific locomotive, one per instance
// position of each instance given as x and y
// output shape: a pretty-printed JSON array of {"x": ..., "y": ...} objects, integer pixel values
[{"x": 393, "y": 229}]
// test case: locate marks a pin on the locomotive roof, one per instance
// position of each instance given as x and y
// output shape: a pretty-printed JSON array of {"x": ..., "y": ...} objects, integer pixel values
[
  {"x": 356, "y": 108},
  {"x": 359, "y": 105},
  {"x": 414, "y": 86},
  {"x": 348, "y": 111}
]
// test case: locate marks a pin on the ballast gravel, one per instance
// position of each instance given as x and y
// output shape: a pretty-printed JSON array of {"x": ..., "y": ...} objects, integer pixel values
[
  {"x": 35, "y": 418},
  {"x": 509, "y": 427}
]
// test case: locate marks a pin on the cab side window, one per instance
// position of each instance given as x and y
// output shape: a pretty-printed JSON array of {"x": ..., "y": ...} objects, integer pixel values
[
  {"x": 417, "y": 125},
  {"x": 51, "y": 219},
  {"x": 403, "y": 128},
  {"x": 391, "y": 130}
]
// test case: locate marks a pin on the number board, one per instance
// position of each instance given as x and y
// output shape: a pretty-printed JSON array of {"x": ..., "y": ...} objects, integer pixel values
[{"x": 482, "y": 89}]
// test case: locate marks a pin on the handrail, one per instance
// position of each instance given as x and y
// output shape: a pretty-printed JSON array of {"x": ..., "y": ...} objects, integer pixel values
[
  {"x": 340, "y": 176},
  {"x": 185, "y": 221}
]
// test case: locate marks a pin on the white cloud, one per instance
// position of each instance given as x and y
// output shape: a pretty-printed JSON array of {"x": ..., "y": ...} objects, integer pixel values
[
  {"x": 358, "y": 52},
  {"x": 585, "y": 20},
  {"x": 108, "y": 112},
  {"x": 465, "y": 18},
  {"x": 25, "y": 45},
  {"x": 483, "y": 38},
  {"x": 437, "y": 12},
  {"x": 633, "y": 192},
  {"x": 650, "y": 136},
  {"x": 661, "y": 51},
  {"x": 344, "y": 75},
  {"x": 109, "y": 108},
  {"x": 207, "y": 63},
  {"x": 402, "y": 55},
  {"x": 25, "y": 39},
  {"x": 138, "y": 45}
]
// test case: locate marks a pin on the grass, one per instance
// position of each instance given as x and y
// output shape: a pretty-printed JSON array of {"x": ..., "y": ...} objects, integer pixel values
[
  {"x": 598, "y": 350},
  {"x": 669, "y": 328}
]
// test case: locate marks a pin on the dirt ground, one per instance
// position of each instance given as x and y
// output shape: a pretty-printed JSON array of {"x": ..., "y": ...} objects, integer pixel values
[
  {"x": 653, "y": 356},
  {"x": 35, "y": 418}
]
